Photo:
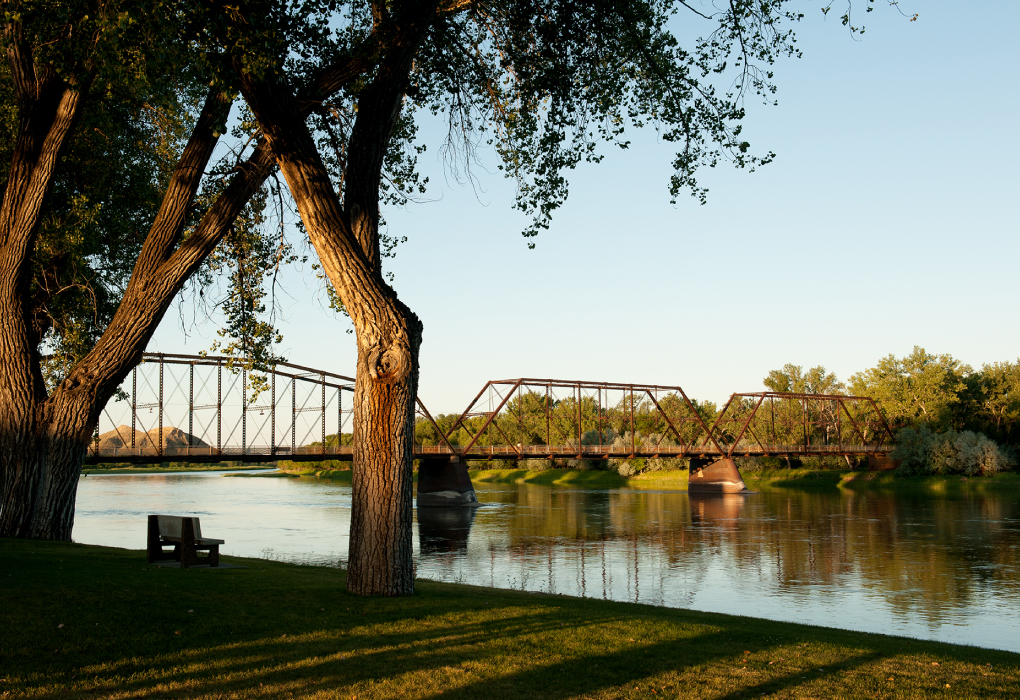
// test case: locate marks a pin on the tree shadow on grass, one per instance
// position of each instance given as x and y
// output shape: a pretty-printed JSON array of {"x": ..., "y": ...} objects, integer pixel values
[
  {"x": 514, "y": 651},
  {"x": 292, "y": 631}
]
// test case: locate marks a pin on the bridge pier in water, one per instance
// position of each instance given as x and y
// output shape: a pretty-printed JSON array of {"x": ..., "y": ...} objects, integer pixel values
[
  {"x": 719, "y": 476},
  {"x": 444, "y": 482}
]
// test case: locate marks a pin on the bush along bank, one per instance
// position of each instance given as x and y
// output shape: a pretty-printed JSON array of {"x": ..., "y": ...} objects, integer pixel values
[{"x": 921, "y": 451}]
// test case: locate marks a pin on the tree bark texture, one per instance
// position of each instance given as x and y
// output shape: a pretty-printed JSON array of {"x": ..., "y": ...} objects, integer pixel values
[
  {"x": 346, "y": 239},
  {"x": 31, "y": 456}
]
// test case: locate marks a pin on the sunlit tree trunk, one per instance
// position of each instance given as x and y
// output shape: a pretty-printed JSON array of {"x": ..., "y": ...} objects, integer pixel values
[
  {"x": 380, "y": 559},
  {"x": 346, "y": 238}
]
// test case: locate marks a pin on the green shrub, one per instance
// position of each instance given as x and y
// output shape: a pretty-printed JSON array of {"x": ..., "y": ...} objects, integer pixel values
[{"x": 921, "y": 451}]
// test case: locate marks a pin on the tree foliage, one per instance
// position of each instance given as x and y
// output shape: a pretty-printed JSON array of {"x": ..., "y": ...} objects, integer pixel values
[
  {"x": 920, "y": 387},
  {"x": 793, "y": 379}
]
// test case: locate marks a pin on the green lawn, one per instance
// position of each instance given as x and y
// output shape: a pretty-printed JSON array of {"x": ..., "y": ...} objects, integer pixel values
[{"x": 91, "y": 622}]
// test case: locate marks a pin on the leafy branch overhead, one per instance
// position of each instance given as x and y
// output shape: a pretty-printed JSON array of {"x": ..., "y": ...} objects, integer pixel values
[
  {"x": 545, "y": 84},
  {"x": 542, "y": 83}
]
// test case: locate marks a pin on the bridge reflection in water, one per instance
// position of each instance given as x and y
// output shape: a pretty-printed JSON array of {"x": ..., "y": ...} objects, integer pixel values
[
  {"x": 930, "y": 567},
  {"x": 942, "y": 565}
]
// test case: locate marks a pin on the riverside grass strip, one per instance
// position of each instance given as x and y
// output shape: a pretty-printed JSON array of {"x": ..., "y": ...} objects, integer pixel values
[{"x": 92, "y": 622}]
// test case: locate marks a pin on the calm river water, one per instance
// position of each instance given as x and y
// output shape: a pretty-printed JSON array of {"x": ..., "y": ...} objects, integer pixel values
[{"x": 945, "y": 568}]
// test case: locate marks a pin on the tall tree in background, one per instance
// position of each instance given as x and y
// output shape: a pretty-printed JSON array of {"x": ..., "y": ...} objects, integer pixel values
[
  {"x": 998, "y": 398},
  {"x": 919, "y": 388},
  {"x": 793, "y": 379}
]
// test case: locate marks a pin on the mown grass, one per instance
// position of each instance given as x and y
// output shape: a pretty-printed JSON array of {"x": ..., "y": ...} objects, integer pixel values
[{"x": 90, "y": 622}]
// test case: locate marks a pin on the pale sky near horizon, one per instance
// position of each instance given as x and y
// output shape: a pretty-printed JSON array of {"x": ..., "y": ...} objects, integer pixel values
[{"x": 887, "y": 220}]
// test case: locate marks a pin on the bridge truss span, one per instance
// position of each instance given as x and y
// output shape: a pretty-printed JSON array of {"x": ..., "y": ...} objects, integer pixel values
[
  {"x": 549, "y": 418},
  {"x": 199, "y": 408},
  {"x": 204, "y": 408},
  {"x": 786, "y": 424},
  {"x": 535, "y": 418}
]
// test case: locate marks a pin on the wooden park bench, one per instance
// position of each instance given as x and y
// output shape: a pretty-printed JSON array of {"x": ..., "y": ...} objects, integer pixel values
[{"x": 185, "y": 536}]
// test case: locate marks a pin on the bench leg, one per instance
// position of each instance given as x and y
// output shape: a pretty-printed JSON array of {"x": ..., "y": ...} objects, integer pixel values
[
  {"x": 189, "y": 556},
  {"x": 153, "y": 549},
  {"x": 214, "y": 555}
]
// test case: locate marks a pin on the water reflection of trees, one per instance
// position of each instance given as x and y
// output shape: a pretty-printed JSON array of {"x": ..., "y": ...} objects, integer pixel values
[{"x": 921, "y": 555}]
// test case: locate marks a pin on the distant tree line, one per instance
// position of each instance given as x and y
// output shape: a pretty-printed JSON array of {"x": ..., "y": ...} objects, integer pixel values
[{"x": 947, "y": 416}]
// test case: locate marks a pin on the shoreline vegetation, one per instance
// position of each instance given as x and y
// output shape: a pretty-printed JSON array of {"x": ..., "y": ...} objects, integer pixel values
[
  {"x": 272, "y": 629},
  {"x": 677, "y": 479},
  {"x": 756, "y": 477},
  {"x": 176, "y": 467}
]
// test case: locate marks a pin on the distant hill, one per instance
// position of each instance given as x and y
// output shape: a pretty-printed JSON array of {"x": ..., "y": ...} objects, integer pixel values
[{"x": 172, "y": 437}]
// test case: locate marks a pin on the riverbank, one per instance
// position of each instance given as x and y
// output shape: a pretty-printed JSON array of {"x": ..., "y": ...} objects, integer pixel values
[
  {"x": 84, "y": 621},
  {"x": 771, "y": 478},
  {"x": 187, "y": 467},
  {"x": 658, "y": 480}
]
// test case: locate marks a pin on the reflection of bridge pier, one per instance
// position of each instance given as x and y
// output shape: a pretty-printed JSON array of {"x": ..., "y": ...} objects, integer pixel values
[
  {"x": 720, "y": 476},
  {"x": 444, "y": 481},
  {"x": 444, "y": 529},
  {"x": 718, "y": 510}
]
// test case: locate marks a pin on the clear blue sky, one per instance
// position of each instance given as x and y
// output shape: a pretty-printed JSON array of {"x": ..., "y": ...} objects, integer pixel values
[{"x": 888, "y": 219}]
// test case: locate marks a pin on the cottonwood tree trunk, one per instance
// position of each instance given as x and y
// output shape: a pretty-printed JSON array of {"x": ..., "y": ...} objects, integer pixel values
[
  {"x": 346, "y": 238},
  {"x": 42, "y": 462},
  {"x": 380, "y": 560},
  {"x": 33, "y": 459},
  {"x": 44, "y": 438}
]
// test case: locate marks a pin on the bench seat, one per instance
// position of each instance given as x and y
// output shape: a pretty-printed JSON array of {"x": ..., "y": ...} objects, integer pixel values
[{"x": 184, "y": 534}]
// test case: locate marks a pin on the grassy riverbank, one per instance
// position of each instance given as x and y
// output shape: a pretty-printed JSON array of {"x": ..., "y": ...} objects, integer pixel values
[
  {"x": 880, "y": 481},
  {"x": 93, "y": 622},
  {"x": 149, "y": 469},
  {"x": 770, "y": 478}
]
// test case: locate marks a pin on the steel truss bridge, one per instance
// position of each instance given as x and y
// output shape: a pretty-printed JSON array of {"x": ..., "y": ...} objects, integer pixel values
[{"x": 298, "y": 413}]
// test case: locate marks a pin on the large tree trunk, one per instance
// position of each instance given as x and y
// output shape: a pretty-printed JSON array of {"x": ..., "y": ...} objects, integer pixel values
[
  {"x": 388, "y": 333},
  {"x": 40, "y": 504},
  {"x": 380, "y": 558}
]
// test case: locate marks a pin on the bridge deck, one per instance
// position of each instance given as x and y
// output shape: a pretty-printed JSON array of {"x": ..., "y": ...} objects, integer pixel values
[{"x": 346, "y": 453}]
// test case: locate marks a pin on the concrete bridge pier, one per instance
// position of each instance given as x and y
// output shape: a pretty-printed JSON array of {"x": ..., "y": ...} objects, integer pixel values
[
  {"x": 719, "y": 476},
  {"x": 444, "y": 482}
]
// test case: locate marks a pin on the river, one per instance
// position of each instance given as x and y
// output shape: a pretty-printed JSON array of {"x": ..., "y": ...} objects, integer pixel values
[{"x": 930, "y": 567}]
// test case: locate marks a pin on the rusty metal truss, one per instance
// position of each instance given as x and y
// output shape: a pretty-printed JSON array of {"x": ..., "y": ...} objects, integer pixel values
[
  {"x": 230, "y": 413},
  {"x": 549, "y": 418},
  {"x": 289, "y": 412},
  {"x": 771, "y": 423}
]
